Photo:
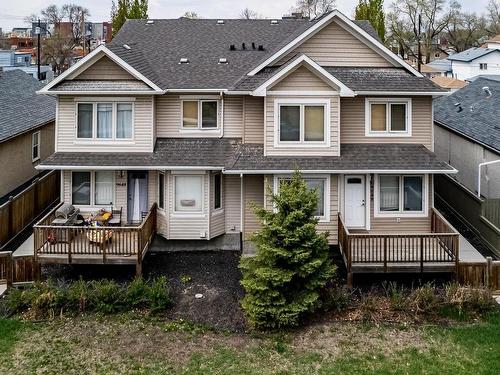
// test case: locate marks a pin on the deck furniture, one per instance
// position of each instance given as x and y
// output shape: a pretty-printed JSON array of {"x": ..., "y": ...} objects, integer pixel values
[{"x": 116, "y": 219}]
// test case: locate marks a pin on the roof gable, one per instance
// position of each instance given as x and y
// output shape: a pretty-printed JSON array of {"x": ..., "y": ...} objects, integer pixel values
[
  {"x": 103, "y": 69},
  {"x": 302, "y": 78},
  {"x": 472, "y": 54}
]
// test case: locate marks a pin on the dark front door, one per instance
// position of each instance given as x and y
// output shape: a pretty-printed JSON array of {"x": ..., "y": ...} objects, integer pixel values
[{"x": 137, "y": 191}]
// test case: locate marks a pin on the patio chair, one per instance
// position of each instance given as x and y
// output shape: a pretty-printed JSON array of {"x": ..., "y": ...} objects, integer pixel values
[{"x": 116, "y": 219}]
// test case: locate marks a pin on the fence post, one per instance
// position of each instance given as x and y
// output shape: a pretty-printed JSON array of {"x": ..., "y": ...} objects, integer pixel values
[
  {"x": 11, "y": 218},
  {"x": 10, "y": 270},
  {"x": 36, "y": 183},
  {"x": 488, "y": 275}
]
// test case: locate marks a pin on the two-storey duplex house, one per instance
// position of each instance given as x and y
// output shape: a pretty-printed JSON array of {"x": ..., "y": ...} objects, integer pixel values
[{"x": 199, "y": 116}]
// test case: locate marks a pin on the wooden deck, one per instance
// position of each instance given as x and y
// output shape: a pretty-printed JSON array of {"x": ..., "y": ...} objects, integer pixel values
[
  {"x": 436, "y": 251},
  {"x": 93, "y": 245}
]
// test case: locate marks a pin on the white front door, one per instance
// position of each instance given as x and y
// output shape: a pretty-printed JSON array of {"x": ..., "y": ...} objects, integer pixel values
[{"x": 355, "y": 210}]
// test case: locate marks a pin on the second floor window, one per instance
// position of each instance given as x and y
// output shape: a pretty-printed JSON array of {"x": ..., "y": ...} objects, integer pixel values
[
  {"x": 483, "y": 66},
  {"x": 35, "y": 146},
  {"x": 199, "y": 114},
  {"x": 388, "y": 117},
  {"x": 302, "y": 123},
  {"x": 104, "y": 120}
]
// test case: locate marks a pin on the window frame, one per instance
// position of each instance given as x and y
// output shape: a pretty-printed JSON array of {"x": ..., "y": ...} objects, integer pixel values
[
  {"x": 162, "y": 204},
  {"x": 199, "y": 124},
  {"x": 401, "y": 212},
  {"x": 483, "y": 66},
  {"x": 302, "y": 103},
  {"x": 218, "y": 175},
  {"x": 92, "y": 189},
  {"x": 33, "y": 145},
  {"x": 188, "y": 213},
  {"x": 326, "y": 199},
  {"x": 388, "y": 132},
  {"x": 114, "y": 120}
]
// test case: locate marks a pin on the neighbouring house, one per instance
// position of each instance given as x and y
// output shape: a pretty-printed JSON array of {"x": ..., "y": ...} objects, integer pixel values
[
  {"x": 14, "y": 60},
  {"x": 438, "y": 68},
  {"x": 493, "y": 43},
  {"x": 475, "y": 61},
  {"x": 27, "y": 126},
  {"x": 467, "y": 136},
  {"x": 177, "y": 135},
  {"x": 449, "y": 83}
]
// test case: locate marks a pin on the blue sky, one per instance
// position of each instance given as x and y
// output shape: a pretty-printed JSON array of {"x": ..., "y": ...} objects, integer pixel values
[{"x": 13, "y": 12}]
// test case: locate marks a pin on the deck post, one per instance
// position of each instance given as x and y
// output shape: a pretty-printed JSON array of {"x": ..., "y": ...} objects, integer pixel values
[
  {"x": 489, "y": 272},
  {"x": 421, "y": 254},
  {"x": 349, "y": 264},
  {"x": 69, "y": 238},
  {"x": 385, "y": 254}
]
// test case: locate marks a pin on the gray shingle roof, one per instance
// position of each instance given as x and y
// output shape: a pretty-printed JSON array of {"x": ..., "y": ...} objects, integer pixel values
[
  {"x": 471, "y": 54},
  {"x": 21, "y": 109},
  {"x": 157, "y": 48},
  {"x": 443, "y": 65},
  {"x": 231, "y": 154},
  {"x": 483, "y": 122},
  {"x": 358, "y": 79},
  {"x": 353, "y": 157},
  {"x": 104, "y": 85}
]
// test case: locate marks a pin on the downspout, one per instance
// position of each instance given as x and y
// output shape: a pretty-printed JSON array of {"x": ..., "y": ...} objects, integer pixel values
[
  {"x": 241, "y": 212},
  {"x": 222, "y": 115},
  {"x": 479, "y": 174}
]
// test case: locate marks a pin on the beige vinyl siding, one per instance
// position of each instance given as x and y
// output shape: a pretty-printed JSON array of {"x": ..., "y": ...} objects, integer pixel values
[
  {"x": 352, "y": 122},
  {"x": 253, "y": 191},
  {"x": 232, "y": 203},
  {"x": 334, "y": 46},
  {"x": 217, "y": 217},
  {"x": 301, "y": 79},
  {"x": 188, "y": 226},
  {"x": 121, "y": 194},
  {"x": 334, "y": 148},
  {"x": 233, "y": 116},
  {"x": 67, "y": 186},
  {"x": 142, "y": 126},
  {"x": 105, "y": 69},
  {"x": 253, "y": 119},
  {"x": 332, "y": 225},
  {"x": 405, "y": 224}
]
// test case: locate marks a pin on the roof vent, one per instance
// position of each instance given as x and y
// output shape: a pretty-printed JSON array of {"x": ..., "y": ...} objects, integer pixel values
[
  {"x": 220, "y": 22},
  {"x": 222, "y": 60},
  {"x": 261, "y": 47},
  {"x": 150, "y": 22},
  {"x": 127, "y": 47},
  {"x": 253, "y": 45},
  {"x": 183, "y": 60},
  {"x": 274, "y": 22},
  {"x": 243, "y": 46},
  {"x": 232, "y": 47}
]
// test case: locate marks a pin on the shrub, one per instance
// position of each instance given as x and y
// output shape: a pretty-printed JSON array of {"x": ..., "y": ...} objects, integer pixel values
[
  {"x": 157, "y": 293},
  {"x": 107, "y": 296},
  {"x": 466, "y": 300},
  {"x": 137, "y": 293},
  {"x": 284, "y": 280}
]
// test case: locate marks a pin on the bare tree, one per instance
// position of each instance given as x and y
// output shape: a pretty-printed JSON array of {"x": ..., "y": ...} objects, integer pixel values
[
  {"x": 464, "y": 30},
  {"x": 314, "y": 8},
  {"x": 53, "y": 14},
  {"x": 191, "y": 15},
  {"x": 493, "y": 15},
  {"x": 58, "y": 52},
  {"x": 248, "y": 14},
  {"x": 76, "y": 15}
]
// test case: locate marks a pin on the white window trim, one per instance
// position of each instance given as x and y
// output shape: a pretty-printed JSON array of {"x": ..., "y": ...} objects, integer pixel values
[
  {"x": 92, "y": 191},
  {"x": 199, "y": 128},
  {"x": 388, "y": 132},
  {"x": 34, "y": 159},
  {"x": 189, "y": 213},
  {"x": 114, "y": 122},
  {"x": 164, "y": 191},
  {"x": 326, "y": 177},
  {"x": 221, "y": 208},
  {"x": 402, "y": 213},
  {"x": 302, "y": 103}
]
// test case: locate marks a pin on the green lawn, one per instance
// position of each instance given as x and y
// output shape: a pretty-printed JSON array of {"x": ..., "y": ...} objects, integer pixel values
[{"x": 126, "y": 345}]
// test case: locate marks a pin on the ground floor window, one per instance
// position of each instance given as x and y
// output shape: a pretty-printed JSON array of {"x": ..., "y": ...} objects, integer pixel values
[
  {"x": 92, "y": 188},
  {"x": 321, "y": 186},
  {"x": 400, "y": 194},
  {"x": 217, "y": 191},
  {"x": 188, "y": 193},
  {"x": 161, "y": 191}
]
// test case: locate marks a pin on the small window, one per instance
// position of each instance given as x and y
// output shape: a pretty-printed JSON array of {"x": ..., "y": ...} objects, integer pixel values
[
  {"x": 388, "y": 117},
  {"x": 80, "y": 188},
  {"x": 124, "y": 120},
  {"x": 217, "y": 191},
  {"x": 401, "y": 194},
  {"x": 103, "y": 189},
  {"x": 104, "y": 120},
  {"x": 84, "y": 124},
  {"x": 302, "y": 123},
  {"x": 161, "y": 191},
  {"x": 188, "y": 193},
  {"x": 35, "y": 146},
  {"x": 354, "y": 180},
  {"x": 483, "y": 66},
  {"x": 200, "y": 114}
]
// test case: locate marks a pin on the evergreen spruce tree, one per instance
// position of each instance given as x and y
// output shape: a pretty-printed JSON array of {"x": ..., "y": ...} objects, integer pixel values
[
  {"x": 373, "y": 11},
  {"x": 284, "y": 279},
  {"x": 127, "y": 9}
]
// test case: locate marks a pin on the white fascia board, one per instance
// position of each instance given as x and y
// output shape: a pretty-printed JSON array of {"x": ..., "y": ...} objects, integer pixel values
[
  {"x": 303, "y": 59},
  {"x": 346, "y": 171},
  {"x": 88, "y": 59},
  {"x": 196, "y": 90},
  {"x": 318, "y": 26},
  {"x": 125, "y": 167},
  {"x": 406, "y": 93},
  {"x": 131, "y": 93}
]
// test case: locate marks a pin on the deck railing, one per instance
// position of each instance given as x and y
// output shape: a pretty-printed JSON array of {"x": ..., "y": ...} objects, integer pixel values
[
  {"x": 438, "y": 246},
  {"x": 103, "y": 242}
]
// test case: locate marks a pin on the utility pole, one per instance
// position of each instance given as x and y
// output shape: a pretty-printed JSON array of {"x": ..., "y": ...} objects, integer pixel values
[
  {"x": 419, "y": 39},
  {"x": 38, "y": 30}
]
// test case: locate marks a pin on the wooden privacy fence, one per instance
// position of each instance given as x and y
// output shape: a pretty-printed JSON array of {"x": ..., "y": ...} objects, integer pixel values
[
  {"x": 17, "y": 270},
  {"x": 491, "y": 211},
  {"x": 23, "y": 209},
  {"x": 480, "y": 274}
]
